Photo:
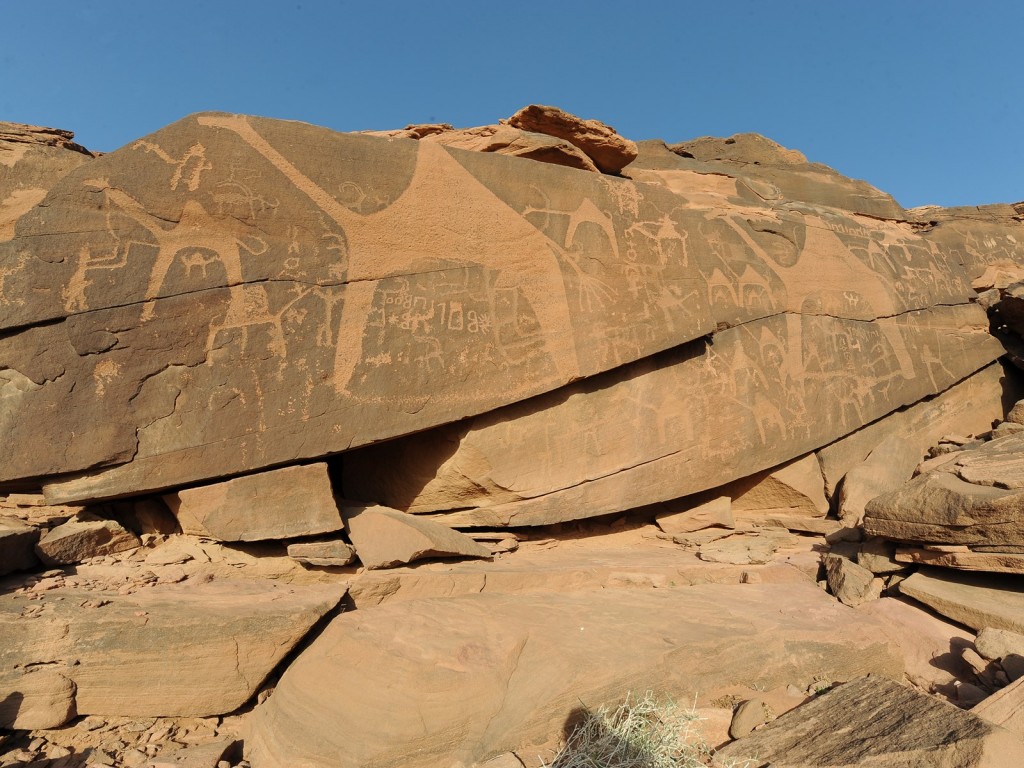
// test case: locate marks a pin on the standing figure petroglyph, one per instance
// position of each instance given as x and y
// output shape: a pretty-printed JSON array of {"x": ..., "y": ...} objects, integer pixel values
[{"x": 189, "y": 167}]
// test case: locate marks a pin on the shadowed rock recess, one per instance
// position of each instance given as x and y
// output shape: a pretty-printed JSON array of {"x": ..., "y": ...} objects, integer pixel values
[{"x": 415, "y": 447}]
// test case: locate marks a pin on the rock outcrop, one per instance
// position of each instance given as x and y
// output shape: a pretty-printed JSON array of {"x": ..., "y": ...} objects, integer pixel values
[
  {"x": 676, "y": 395},
  {"x": 465, "y": 679}
]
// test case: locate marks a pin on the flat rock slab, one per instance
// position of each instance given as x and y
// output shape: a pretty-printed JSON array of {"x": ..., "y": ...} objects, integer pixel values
[
  {"x": 176, "y": 650},
  {"x": 384, "y": 538},
  {"x": 875, "y": 722},
  {"x": 941, "y": 508},
  {"x": 279, "y": 504},
  {"x": 977, "y": 600},
  {"x": 462, "y": 680},
  {"x": 992, "y": 562}
]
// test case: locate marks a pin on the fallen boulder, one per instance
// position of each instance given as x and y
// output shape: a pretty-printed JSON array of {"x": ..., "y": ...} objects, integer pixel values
[
  {"x": 385, "y": 537},
  {"x": 877, "y": 722},
  {"x": 84, "y": 536}
]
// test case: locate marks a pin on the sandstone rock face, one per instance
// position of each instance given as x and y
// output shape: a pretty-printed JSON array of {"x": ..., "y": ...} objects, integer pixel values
[
  {"x": 878, "y": 722},
  {"x": 247, "y": 304},
  {"x": 671, "y": 425},
  {"x": 32, "y": 159},
  {"x": 186, "y": 650},
  {"x": 280, "y": 504},
  {"x": 82, "y": 537},
  {"x": 386, "y": 537},
  {"x": 466, "y": 679},
  {"x": 609, "y": 151}
]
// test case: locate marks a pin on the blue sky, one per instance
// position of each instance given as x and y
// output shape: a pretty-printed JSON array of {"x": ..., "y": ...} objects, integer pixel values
[{"x": 923, "y": 100}]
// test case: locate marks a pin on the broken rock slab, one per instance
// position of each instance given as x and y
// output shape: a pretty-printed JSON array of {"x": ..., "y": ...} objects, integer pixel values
[
  {"x": 876, "y": 722},
  {"x": 941, "y": 508},
  {"x": 466, "y": 679},
  {"x": 609, "y": 151},
  {"x": 330, "y": 553},
  {"x": 851, "y": 583},
  {"x": 279, "y": 504},
  {"x": 82, "y": 537},
  {"x": 977, "y": 600},
  {"x": 189, "y": 649},
  {"x": 384, "y": 537}
]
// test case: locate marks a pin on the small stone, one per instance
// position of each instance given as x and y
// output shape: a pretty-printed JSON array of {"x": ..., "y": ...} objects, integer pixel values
[
  {"x": 849, "y": 582},
  {"x": 968, "y": 695},
  {"x": 748, "y": 715}
]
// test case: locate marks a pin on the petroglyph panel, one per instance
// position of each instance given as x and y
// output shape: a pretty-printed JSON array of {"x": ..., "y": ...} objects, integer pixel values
[
  {"x": 232, "y": 293},
  {"x": 677, "y": 423}
]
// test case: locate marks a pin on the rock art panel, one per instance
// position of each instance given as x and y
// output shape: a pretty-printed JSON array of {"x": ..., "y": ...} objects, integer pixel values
[
  {"x": 687, "y": 420},
  {"x": 247, "y": 304},
  {"x": 968, "y": 408},
  {"x": 465, "y": 679}
]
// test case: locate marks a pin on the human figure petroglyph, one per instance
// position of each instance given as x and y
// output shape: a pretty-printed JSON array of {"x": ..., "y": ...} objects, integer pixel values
[
  {"x": 433, "y": 219},
  {"x": 189, "y": 167}
]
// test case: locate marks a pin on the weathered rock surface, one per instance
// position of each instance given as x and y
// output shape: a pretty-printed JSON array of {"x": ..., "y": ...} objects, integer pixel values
[
  {"x": 184, "y": 649},
  {"x": 82, "y": 537},
  {"x": 886, "y": 468},
  {"x": 1005, "y": 708},
  {"x": 940, "y": 507},
  {"x": 671, "y": 425},
  {"x": 877, "y": 722},
  {"x": 386, "y": 537},
  {"x": 466, "y": 679},
  {"x": 962, "y": 558},
  {"x": 609, "y": 151},
  {"x": 279, "y": 504},
  {"x": 977, "y": 600},
  {"x": 999, "y": 463},
  {"x": 970, "y": 407},
  {"x": 32, "y": 160}
]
